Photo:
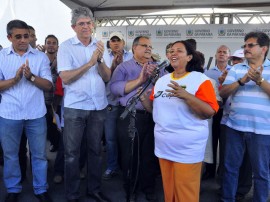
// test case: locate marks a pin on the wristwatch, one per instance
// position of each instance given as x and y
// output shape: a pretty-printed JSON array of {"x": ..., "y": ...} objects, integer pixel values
[
  {"x": 100, "y": 60},
  {"x": 240, "y": 82},
  {"x": 259, "y": 83},
  {"x": 32, "y": 78}
]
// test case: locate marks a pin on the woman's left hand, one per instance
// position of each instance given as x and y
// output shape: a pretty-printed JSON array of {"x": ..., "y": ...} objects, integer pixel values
[{"x": 177, "y": 90}]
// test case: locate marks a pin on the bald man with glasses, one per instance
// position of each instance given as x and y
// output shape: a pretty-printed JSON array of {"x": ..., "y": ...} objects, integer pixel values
[{"x": 127, "y": 78}]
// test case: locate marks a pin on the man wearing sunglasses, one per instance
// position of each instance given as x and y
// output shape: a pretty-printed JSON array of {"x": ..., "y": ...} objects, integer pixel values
[
  {"x": 24, "y": 75},
  {"x": 248, "y": 124}
]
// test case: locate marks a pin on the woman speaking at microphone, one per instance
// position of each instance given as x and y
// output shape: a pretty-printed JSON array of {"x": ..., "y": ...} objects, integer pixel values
[{"x": 181, "y": 103}]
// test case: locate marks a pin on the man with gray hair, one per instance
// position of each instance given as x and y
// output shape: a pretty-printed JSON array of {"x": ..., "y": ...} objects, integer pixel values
[{"x": 83, "y": 72}]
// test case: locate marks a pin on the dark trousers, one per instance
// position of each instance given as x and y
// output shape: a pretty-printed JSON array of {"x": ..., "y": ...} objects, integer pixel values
[
  {"x": 211, "y": 168},
  {"x": 77, "y": 123},
  {"x": 143, "y": 151},
  {"x": 60, "y": 157},
  {"x": 1, "y": 155},
  {"x": 53, "y": 134}
]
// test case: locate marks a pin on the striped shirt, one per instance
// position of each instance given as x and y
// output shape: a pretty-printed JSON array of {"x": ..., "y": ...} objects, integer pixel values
[
  {"x": 23, "y": 100},
  {"x": 88, "y": 92},
  {"x": 250, "y": 105}
]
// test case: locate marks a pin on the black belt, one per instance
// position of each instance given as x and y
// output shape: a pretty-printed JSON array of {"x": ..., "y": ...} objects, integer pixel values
[
  {"x": 139, "y": 111},
  {"x": 110, "y": 107}
]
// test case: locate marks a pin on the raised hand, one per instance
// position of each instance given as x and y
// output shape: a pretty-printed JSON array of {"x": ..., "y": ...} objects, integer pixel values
[
  {"x": 94, "y": 58},
  {"x": 176, "y": 90},
  {"x": 222, "y": 78},
  {"x": 147, "y": 71},
  {"x": 19, "y": 74},
  {"x": 26, "y": 70},
  {"x": 255, "y": 74},
  {"x": 100, "y": 48},
  {"x": 41, "y": 48}
]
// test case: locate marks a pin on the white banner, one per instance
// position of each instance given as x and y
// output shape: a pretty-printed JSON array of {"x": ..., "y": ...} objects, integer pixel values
[{"x": 208, "y": 37}]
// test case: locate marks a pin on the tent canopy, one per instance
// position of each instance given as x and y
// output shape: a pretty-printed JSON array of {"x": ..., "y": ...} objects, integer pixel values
[{"x": 103, "y": 8}]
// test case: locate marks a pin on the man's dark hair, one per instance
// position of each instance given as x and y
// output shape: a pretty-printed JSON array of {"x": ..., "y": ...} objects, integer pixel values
[
  {"x": 51, "y": 36},
  {"x": 193, "y": 43},
  {"x": 16, "y": 24},
  {"x": 30, "y": 27},
  {"x": 262, "y": 39}
]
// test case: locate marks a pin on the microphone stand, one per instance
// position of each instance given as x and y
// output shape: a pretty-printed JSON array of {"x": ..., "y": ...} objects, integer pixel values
[{"x": 132, "y": 131}]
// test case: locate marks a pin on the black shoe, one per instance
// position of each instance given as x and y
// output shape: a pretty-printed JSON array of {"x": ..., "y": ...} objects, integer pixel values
[
  {"x": 73, "y": 200},
  {"x": 98, "y": 196},
  {"x": 12, "y": 197},
  {"x": 151, "y": 196},
  {"x": 208, "y": 175},
  {"x": 53, "y": 148},
  {"x": 109, "y": 174},
  {"x": 44, "y": 197},
  {"x": 133, "y": 198},
  {"x": 239, "y": 197}
]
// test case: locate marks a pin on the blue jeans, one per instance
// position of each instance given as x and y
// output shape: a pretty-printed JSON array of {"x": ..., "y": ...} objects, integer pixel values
[
  {"x": 76, "y": 123},
  {"x": 110, "y": 136},
  {"x": 258, "y": 148},
  {"x": 10, "y": 137}
]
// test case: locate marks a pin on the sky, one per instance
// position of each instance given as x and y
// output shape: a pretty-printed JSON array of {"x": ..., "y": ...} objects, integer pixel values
[{"x": 46, "y": 16}]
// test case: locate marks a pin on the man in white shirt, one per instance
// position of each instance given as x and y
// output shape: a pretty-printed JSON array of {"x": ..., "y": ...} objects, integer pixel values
[
  {"x": 83, "y": 72},
  {"x": 24, "y": 75}
]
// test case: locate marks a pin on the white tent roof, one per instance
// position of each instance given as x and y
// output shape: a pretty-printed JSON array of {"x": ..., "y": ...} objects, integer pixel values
[{"x": 104, "y": 8}]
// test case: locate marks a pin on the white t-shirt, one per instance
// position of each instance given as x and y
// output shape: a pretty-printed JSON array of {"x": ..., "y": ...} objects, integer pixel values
[{"x": 180, "y": 135}]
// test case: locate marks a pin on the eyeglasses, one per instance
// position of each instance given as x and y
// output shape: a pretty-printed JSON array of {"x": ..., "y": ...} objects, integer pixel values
[
  {"x": 81, "y": 24},
  {"x": 249, "y": 45},
  {"x": 20, "y": 36},
  {"x": 145, "y": 46}
]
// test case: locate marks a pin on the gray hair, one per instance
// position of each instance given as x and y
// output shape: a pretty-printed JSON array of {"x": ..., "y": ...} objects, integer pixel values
[
  {"x": 137, "y": 39},
  {"x": 81, "y": 12}
]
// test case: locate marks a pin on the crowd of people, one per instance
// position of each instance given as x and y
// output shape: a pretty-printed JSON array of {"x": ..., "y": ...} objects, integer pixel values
[{"x": 81, "y": 93}]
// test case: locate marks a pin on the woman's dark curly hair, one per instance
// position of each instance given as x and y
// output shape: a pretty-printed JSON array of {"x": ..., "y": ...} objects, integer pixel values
[{"x": 195, "y": 63}]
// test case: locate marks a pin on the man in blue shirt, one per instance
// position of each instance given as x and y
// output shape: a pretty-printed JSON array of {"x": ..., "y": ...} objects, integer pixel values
[
  {"x": 248, "y": 125},
  {"x": 24, "y": 75}
]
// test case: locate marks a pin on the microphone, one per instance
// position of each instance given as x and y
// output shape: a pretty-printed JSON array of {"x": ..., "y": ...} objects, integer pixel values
[
  {"x": 152, "y": 80},
  {"x": 155, "y": 74},
  {"x": 162, "y": 65}
]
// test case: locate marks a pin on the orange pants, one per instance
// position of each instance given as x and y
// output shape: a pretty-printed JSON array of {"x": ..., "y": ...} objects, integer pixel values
[{"x": 181, "y": 182}]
